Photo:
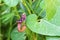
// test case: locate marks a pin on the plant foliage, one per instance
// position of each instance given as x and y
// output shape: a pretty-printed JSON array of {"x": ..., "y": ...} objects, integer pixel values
[{"x": 42, "y": 19}]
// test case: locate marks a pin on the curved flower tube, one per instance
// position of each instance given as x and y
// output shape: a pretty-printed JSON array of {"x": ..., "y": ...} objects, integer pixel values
[{"x": 21, "y": 29}]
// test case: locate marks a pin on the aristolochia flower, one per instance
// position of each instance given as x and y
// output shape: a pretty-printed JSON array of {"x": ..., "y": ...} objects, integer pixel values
[{"x": 22, "y": 19}]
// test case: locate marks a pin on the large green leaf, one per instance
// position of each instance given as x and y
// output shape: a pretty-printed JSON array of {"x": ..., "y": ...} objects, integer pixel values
[
  {"x": 43, "y": 27},
  {"x": 55, "y": 20},
  {"x": 11, "y": 3},
  {"x": 15, "y": 35}
]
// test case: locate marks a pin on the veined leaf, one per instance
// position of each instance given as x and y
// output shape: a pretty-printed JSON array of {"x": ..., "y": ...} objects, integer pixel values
[{"x": 43, "y": 27}]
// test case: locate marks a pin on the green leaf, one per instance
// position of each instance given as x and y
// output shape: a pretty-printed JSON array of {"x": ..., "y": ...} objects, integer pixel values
[
  {"x": 6, "y": 17},
  {"x": 50, "y": 9},
  {"x": 52, "y": 38},
  {"x": 47, "y": 28},
  {"x": 15, "y": 35},
  {"x": 42, "y": 5},
  {"x": 36, "y": 6},
  {"x": 57, "y": 2},
  {"x": 24, "y": 7},
  {"x": 56, "y": 19},
  {"x": 43, "y": 27},
  {"x": 11, "y": 3}
]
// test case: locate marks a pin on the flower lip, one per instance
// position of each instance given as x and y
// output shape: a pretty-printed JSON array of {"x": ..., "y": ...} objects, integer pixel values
[{"x": 23, "y": 17}]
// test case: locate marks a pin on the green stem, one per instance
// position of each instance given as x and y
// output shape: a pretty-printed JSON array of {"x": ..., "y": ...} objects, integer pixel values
[
  {"x": 38, "y": 3},
  {"x": 16, "y": 12},
  {"x": 28, "y": 33},
  {"x": 30, "y": 1},
  {"x": 34, "y": 37},
  {"x": 11, "y": 26},
  {"x": 31, "y": 35},
  {"x": 10, "y": 29},
  {"x": 27, "y": 7},
  {"x": 0, "y": 29},
  {"x": 41, "y": 11},
  {"x": 30, "y": 6}
]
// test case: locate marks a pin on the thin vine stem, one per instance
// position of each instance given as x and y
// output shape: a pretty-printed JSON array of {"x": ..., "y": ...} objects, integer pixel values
[
  {"x": 30, "y": 1},
  {"x": 16, "y": 12},
  {"x": 0, "y": 29},
  {"x": 30, "y": 7},
  {"x": 10, "y": 28},
  {"x": 26, "y": 7}
]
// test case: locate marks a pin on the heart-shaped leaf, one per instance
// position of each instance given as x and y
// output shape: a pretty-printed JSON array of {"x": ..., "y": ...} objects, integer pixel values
[{"x": 43, "y": 27}]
